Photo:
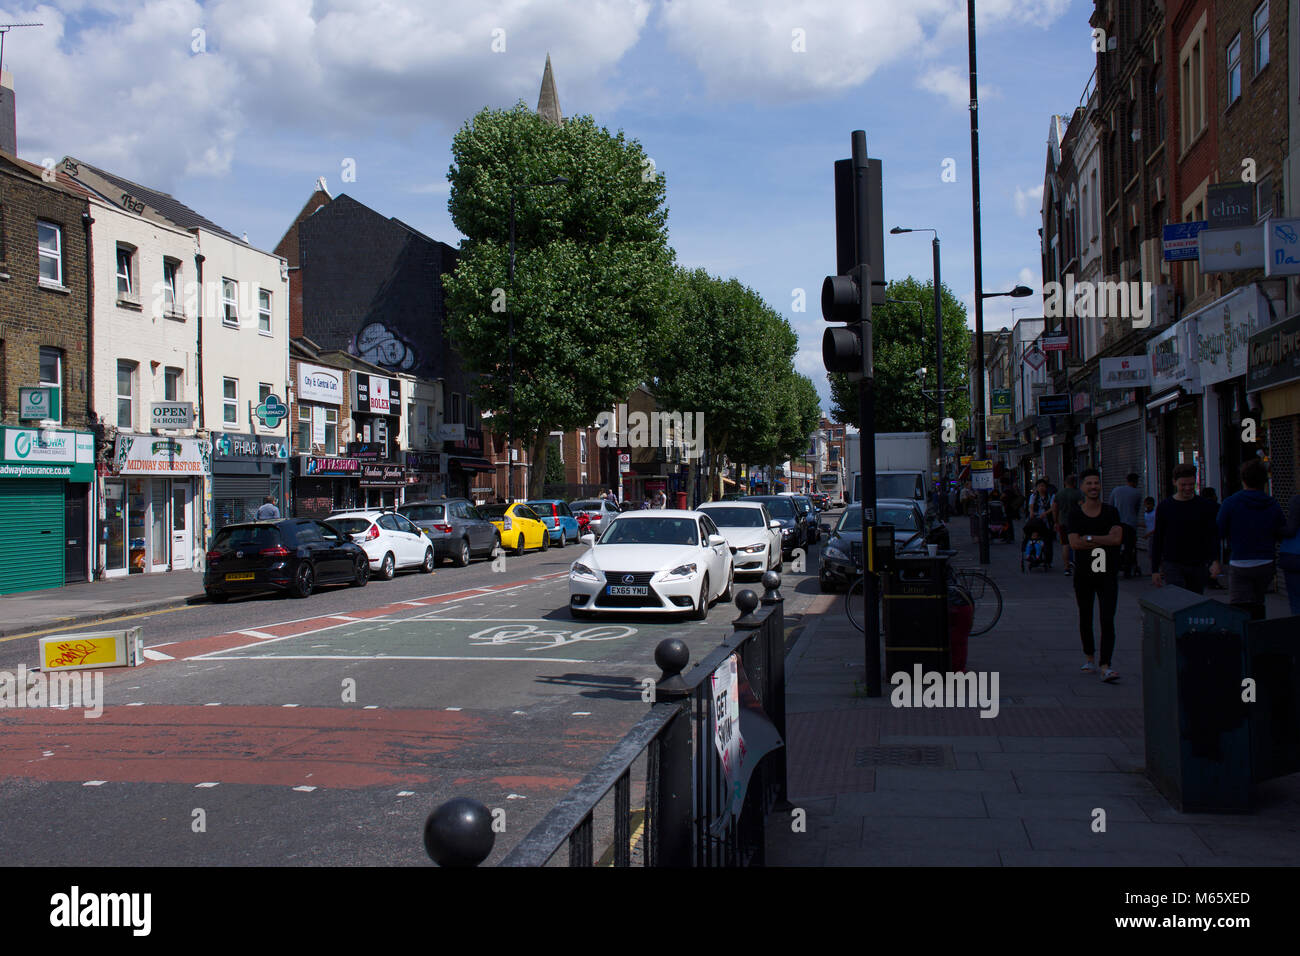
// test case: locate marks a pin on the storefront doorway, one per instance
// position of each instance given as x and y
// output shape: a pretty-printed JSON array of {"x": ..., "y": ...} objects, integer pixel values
[{"x": 149, "y": 525}]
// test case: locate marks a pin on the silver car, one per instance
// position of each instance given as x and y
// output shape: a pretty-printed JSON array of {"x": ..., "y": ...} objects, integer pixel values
[
  {"x": 456, "y": 528},
  {"x": 598, "y": 511}
]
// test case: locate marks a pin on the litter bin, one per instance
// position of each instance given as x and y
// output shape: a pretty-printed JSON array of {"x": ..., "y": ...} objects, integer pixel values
[
  {"x": 1198, "y": 740},
  {"x": 1273, "y": 661},
  {"x": 916, "y": 615}
]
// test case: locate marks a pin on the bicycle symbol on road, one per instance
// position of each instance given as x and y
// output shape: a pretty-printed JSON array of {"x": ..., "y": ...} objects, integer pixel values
[{"x": 542, "y": 639}]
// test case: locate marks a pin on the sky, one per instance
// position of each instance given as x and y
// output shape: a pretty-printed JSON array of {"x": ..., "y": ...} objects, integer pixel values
[{"x": 236, "y": 107}]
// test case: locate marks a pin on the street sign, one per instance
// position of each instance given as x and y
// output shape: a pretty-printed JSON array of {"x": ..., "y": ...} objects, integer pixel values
[
  {"x": 981, "y": 475},
  {"x": 625, "y": 462},
  {"x": 1282, "y": 247},
  {"x": 1058, "y": 404},
  {"x": 171, "y": 414},
  {"x": 1180, "y": 240},
  {"x": 1035, "y": 358},
  {"x": 1003, "y": 403},
  {"x": 1055, "y": 342},
  {"x": 38, "y": 404}
]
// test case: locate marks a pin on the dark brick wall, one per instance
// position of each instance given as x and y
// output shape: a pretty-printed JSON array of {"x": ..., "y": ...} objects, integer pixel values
[{"x": 30, "y": 316}]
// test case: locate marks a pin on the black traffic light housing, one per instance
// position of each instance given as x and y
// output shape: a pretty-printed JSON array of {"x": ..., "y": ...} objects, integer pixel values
[{"x": 848, "y": 349}]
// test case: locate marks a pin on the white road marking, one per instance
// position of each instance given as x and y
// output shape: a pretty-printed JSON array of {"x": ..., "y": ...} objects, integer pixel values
[
  {"x": 205, "y": 786},
  {"x": 288, "y": 705},
  {"x": 582, "y": 713},
  {"x": 394, "y": 657},
  {"x": 451, "y": 708},
  {"x": 344, "y": 617},
  {"x": 414, "y": 604},
  {"x": 406, "y": 793},
  {"x": 370, "y": 707},
  {"x": 517, "y": 712},
  {"x": 157, "y": 655},
  {"x": 260, "y": 635},
  {"x": 516, "y": 796},
  {"x": 136, "y": 703},
  {"x": 215, "y": 703},
  {"x": 94, "y": 783},
  {"x": 304, "y": 789}
]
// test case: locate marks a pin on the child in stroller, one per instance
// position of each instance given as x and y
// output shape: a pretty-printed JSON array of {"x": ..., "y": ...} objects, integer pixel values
[
  {"x": 1036, "y": 551},
  {"x": 999, "y": 524}
]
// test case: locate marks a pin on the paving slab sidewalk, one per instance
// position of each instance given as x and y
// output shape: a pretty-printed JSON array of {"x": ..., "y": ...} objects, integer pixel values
[
  {"x": 86, "y": 602},
  {"x": 886, "y": 786}
]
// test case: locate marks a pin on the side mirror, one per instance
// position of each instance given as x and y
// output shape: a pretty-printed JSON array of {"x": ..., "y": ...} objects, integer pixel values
[
  {"x": 774, "y": 524},
  {"x": 716, "y": 539},
  {"x": 588, "y": 538}
]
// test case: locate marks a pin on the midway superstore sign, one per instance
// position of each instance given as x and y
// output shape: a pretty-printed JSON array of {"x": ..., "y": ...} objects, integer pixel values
[{"x": 48, "y": 453}]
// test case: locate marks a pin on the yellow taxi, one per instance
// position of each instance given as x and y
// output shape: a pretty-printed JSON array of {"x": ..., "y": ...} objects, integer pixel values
[{"x": 521, "y": 528}]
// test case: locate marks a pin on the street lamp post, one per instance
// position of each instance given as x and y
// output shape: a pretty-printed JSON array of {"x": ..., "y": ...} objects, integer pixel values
[{"x": 510, "y": 334}]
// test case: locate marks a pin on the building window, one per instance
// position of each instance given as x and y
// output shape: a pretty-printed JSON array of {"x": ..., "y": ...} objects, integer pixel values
[
  {"x": 126, "y": 394},
  {"x": 171, "y": 384},
  {"x": 1264, "y": 198},
  {"x": 125, "y": 268},
  {"x": 582, "y": 448},
  {"x": 471, "y": 416},
  {"x": 331, "y": 430},
  {"x": 1234, "y": 70},
  {"x": 230, "y": 401},
  {"x": 230, "y": 311},
  {"x": 170, "y": 268},
  {"x": 1260, "y": 22},
  {"x": 455, "y": 410},
  {"x": 263, "y": 392},
  {"x": 304, "y": 428},
  {"x": 51, "y": 376},
  {"x": 49, "y": 238},
  {"x": 1158, "y": 98},
  {"x": 264, "y": 311}
]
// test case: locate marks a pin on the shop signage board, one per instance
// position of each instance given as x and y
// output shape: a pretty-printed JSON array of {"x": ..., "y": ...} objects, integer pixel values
[
  {"x": 339, "y": 467},
  {"x": 176, "y": 415},
  {"x": 1170, "y": 354},
  {"x": 1274, "y": 355},
  {"x": 1229, "y": 250},
  {"x": 319, "y": 384},
  {"x": 1055, "y": 342},
  {"x": 1223, "y": 334},
  {"x": 38, "y": 404},
  {"x": 1228, "y": 205},
  {"x": 48, "y": 453},
  {"x": 375, "y": 394},
  {"x": 1179, "y": 240},
  {"x": 232, "y": 446},
  {"x": 372, "y": 475},
  {"x": 1129, "y": 371},
  {"x": 1003, "y": 403},
  {"x": 150, "y": 455},
  {"x": 1058, "y": 404},
  {"x": 1282, "y": 247},
  {"x": 981, "y": 475}
]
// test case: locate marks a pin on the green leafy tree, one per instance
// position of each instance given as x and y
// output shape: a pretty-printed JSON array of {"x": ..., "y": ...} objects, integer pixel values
[
  {"x": 591, "y": 265},
  {"x": 904, "y": 342}
]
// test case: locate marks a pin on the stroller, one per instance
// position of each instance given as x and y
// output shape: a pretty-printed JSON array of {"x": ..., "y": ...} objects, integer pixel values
[
  {"x": 999, "y": 524},
  {"x": 1035, "y": 547}
]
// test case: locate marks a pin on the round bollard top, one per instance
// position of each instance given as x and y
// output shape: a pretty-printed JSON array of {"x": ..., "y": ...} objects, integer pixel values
[
  {"x": 746, "y": 601},
  {"x": 671, "y": 656},
  {"x": 771, "y": 581},
  {"x": 459, "y": 833}
]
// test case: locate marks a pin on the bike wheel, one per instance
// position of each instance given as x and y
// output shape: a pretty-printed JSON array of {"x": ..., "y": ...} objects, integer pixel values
[
  {"x": 853, "y": 604},
  {"x": 986, "y": 597}
]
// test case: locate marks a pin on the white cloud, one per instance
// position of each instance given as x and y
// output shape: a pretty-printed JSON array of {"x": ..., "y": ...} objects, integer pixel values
[
  {"x": 1027, "y": 200},
  {"x": 954, "y": 86}
]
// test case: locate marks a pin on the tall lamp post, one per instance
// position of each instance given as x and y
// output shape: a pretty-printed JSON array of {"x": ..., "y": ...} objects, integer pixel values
[{"x": 510, "y": 332}]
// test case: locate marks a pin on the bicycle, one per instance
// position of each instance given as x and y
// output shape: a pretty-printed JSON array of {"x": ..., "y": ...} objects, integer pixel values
[{"x": 980, "y": 590}]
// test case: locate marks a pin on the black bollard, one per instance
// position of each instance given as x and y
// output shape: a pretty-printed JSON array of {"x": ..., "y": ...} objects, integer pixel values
[
  {"x": 459, "y": 833},
  {"x": 747, "y": 601},
  {"x": 671, "y": 657},
  {"x": 772, "y": 588}
]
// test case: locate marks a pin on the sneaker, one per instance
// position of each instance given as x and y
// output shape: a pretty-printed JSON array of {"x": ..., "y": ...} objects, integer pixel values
[
  {"x": 1069, "y": 572},
  {"x": 1109, "y": 675},
  {"x": 1089, "y": 667}
]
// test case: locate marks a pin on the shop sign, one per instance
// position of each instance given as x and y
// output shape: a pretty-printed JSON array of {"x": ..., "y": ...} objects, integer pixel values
[
  {"x": 149, "y": 455},
  {"x": 331, "y": 466},
  {"x": 1228, "y": 250},
  {"x": 1054, "y": 404},
  {"x": 38, "y": 404},
  {"x": 229, "y": 446},
  {"x": 1129, "y": 371},
  {"x": 318, "y": 384},
  {"x": 1170, "y": 354},
  {"x": 171, "y": 415},
  {"x": 1180, "y": 240},
  {"x": 375, "y": 394},
  {"x": 272, "y": 411},
  {"x": 382, "y": 475},
  {"x": 1282, "y": 247},
  {"x": 1002, "y": 402},
  {"x": 1082, "y": 402},
  {"x": 1223, "y": 334},
  {"x": 451, "y": 432},
  {"x": 1055, "y": 341},
  {"x": 1274, "y": 355},
  {"x": 1228, "y": 205},
  {"x": 422, "y": 461},
  {"x": 47, "y": 453}
]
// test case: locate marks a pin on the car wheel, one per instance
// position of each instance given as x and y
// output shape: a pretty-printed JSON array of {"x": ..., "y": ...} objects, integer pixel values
[
  {"x": 362, "y": 577},
  {"x": 546, "y": 540},
  {"x": 701, "y": 611},
  {"x": 725, "y": 596},
  {"x": 564, "y": 538},
  {"x": 462, "y": 555},
  {"x": 427, "y": 567},
  {"x": 520, "y": 549},
  {"x": 216, "y": 597},
  {"x": 304, "y": 581},
  {"x": 388, "y": 570}
]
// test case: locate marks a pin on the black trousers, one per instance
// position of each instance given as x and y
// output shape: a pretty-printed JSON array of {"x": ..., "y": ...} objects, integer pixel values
[
  {"x": 1128, "y": 554},
  {"x": 1105, "y": 589}
]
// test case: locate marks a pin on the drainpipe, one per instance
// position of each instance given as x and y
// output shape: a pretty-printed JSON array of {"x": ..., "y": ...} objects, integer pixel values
[
  {"x": 200, "y": 510},
  {"x": 97, "y": 562}
]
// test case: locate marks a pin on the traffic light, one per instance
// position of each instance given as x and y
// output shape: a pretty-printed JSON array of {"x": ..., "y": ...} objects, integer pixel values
[
  {"x": 842, "y": 301},
  {"x": 848, "y": 348}
]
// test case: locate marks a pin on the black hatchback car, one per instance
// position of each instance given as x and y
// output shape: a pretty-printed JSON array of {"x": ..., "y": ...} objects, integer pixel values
[
  {"x": 794, "y": 526},
  {"x": 290, "y": 554}
]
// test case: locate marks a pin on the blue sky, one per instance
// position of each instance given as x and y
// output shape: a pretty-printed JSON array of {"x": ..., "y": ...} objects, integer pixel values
[{"x": 237, "y": 106}]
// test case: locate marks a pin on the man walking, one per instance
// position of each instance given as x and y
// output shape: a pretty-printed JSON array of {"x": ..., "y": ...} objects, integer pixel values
[
  {"x": 268, "y": 511},
  {"x": 1061, "y": 508},
  {"x": 1185, "y": 542},
  {"x": 1096, "y": 534},
  {"x": 1127, "y": 500},
  {"x": 1252, "y": 523}
]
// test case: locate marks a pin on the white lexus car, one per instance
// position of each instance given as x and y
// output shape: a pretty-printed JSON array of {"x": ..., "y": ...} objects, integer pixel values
[
  {"x": 753, "y": 535},
  {"x": 653, "y": 562}
]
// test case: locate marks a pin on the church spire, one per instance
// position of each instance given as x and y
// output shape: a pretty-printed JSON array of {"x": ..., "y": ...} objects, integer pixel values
[{"x": 548, "y": 101}]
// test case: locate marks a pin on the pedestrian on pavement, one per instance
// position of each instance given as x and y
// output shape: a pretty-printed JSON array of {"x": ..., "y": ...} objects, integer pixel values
[
  {"x": 661, "y": 499},
  {"x": 966, "y": 498},
  {"x": 1041, "y": 506},
  {"x": 1288, "y": 558},
  {"x": 1148, "y": 520},
  {"x": 1096, "y": 527},
  {"x": 1127, "y": 500},
  {"x": 1061, "y": 507},
  {"x": 1185, "y": 542},
  {"x": 1252, "y": 523},
  {"x": 268, "y": 511},
  {"x": 612, "y": 499}
]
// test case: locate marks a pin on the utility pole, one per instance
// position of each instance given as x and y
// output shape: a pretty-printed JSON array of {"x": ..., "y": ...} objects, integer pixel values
[{"x": 980, "y": 425}]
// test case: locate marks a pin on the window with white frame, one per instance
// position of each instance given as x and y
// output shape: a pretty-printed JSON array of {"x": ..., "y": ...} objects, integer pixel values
[
  {"x": 51, "y": 376},
  {"x": 1260, "y": 24},
  {"x": 582, "y": 448},
  {"x": 331, "y": 429},
  {"x": 230, "y": 401},
  {"x": 1234, "y": 69},
  {"x": 126, "y": 394},
  {"x": 49, "y": 240},
  {"x": 264, "y": 311},
  {"x": 229, "y": 306},
  {"x": 171, "y": 269},
  {"x": 125, "y": 266},
  {"x": 1191, "y": 71},
  {"x": 172, "y": 384},
  {"x": 304, "y": 428}
]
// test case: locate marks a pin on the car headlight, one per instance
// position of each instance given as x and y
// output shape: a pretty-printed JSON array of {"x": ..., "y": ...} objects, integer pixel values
[
  {"x": 682, "y": 571},
  {"x": 580, "y": 570},
  {"x": 830, "y": 551},
  {"x": 753, "y": 549},
  {"x": 786, "y": 532}
]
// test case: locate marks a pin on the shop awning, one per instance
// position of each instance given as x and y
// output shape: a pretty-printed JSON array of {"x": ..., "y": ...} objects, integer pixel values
[{"x": 467, "y": 463}]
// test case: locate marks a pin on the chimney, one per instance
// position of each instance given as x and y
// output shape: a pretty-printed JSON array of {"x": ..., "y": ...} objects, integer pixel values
[{"x": 8, "y": 126}]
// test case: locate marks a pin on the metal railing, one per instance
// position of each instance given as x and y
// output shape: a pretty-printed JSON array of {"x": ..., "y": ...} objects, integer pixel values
[{"x": 689, "y": 816}]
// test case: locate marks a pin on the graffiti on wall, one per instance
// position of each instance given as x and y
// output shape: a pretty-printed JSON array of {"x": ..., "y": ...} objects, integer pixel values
[{"x": 377, "y": 343}]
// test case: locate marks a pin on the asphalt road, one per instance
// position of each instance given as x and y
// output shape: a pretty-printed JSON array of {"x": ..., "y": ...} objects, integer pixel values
[{"x": 270, "y": 731}]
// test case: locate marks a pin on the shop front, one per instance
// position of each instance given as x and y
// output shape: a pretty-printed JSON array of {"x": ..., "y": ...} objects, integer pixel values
[
  {"x": 1174, "y": 410},
  {"x": 468, "y": 472},
  {"x": 245, "y": 469},
  {"x": 1273, "y": 379},
  {"x": 322, "y": 485},
  {"x": 383, "y": 485},
  {"x": 424, "y": 476},
  {"x": 45, "y": 478},
  {"x": 153, "y": 503}
]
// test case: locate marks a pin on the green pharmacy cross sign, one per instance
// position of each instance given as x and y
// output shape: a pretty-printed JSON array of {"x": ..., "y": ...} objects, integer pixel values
[{"x": 272, "y": 411}]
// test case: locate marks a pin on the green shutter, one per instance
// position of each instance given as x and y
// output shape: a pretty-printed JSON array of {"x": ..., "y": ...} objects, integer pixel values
[{"x": 31, "y": 534}]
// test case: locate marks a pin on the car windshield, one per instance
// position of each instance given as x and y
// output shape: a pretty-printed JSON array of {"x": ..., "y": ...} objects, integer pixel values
[
  {"x": 239, "y": 537},
  {"x": 423, "y": 512},
  {"x": 735, "y": 517},
  {"x": 543, "y": 507},
  {"x": 493, "y": 512},
  {"x": 895, "y": 486},
  {"x": 900, "y": 518},
  {"x": 681, "y": 531},
  {"x": 585, "y": 506},
  {"x": 351, "y": 525},
  {"x": 850, "y": 522},
  {"x": 780, "y": 507}
]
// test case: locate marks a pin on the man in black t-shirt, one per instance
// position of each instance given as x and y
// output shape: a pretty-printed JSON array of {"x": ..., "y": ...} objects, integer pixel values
[
  {"x": 1096, "y": 534},
  {"x": 1185, "y": 543}
]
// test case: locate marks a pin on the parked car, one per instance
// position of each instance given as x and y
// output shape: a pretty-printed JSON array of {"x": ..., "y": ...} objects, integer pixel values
[
  {"x": 520, "y": 527},
  {"x": 920, "y": 519},
  {"x": 291, "y": 554},
  {"x": 457, "y": 529},
  {"x": 597, "y": 509},
  {"x": 812, "y": 517},
  {"x": 655, "y": 561},
  {"x": 557, "y": 517},
  {"x": 390, "y": 540},
  {"x": 753, "y": 535},
  {"x": 840, "y": 560},
  {"x": 794, "y": 531}
]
